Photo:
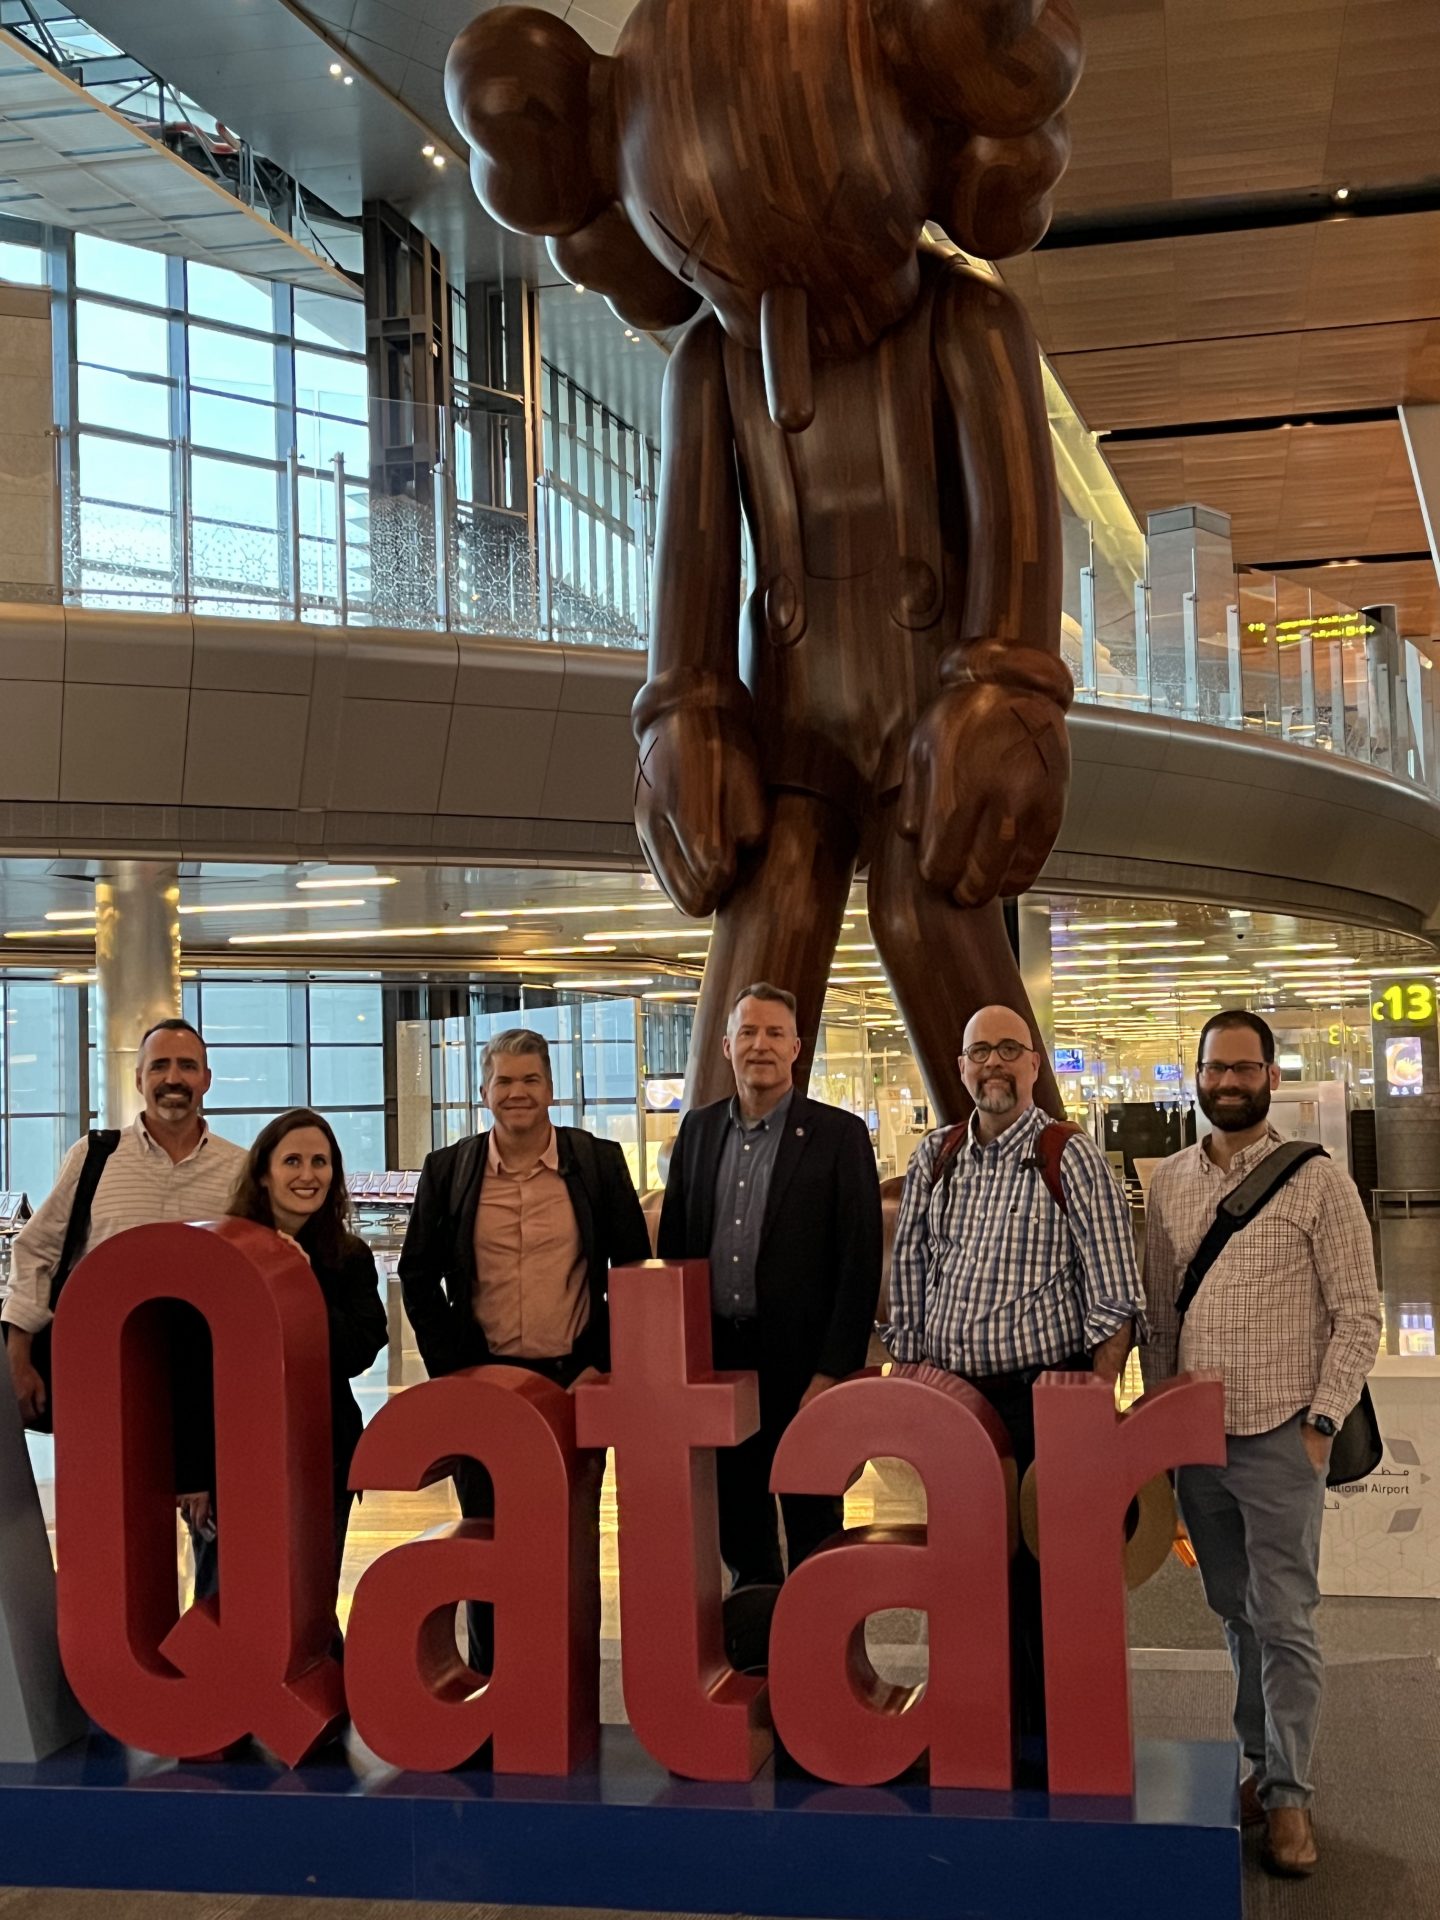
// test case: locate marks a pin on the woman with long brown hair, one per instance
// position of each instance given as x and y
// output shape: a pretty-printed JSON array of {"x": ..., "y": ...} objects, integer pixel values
[{"x": 294, "y": 1181}]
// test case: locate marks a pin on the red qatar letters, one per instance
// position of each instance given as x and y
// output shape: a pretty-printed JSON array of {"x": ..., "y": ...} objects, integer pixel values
[{"x": 258, "y": 1663}]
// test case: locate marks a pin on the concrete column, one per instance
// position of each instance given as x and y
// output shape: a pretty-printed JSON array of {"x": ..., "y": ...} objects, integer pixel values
[
  {"x": 137, "y": 960},
  {"x": 1033, "y": 918}
]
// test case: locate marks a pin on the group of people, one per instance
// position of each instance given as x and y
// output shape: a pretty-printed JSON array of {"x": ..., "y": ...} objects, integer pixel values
[{"x": 1013, "y": 1255}]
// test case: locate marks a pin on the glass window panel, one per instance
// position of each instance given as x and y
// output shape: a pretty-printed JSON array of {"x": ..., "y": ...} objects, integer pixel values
[
  {"x": 121, "y": 470},
  {"x": 35, "y": 1026},
  {"x": 329, "y": 320},
  {"x": 234, "y": 425},
  {"x": 256, "y": 1012},
  {"x": 114, "y": 337},
  {"x": 318, "y": 440},
  {"x": 243, "y": 557},
  {"x": 132, "y": 273},
  {"x": 108, "y": 399},
  {"x": 346, "y": 1076},
  {"x": 250, "y": 1076},
  {"x": 330, "y": 385},
  {"x": 224, "y": 490},
  {"x": 128, "y": 541},
  {"x": 362, "y": 1140},
  {"x": 339, "y": 1014},
  {"x": 231, "y": 363},
  {"x": 240, "y": 1128},
  {"x": 216, "y": 294},
  {"x": 22, "y": 266},
  {"x": 36, "y": 1149}
]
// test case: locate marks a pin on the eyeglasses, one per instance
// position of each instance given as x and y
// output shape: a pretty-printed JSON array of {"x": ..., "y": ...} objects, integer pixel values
[
  {"x": 1007, "y": 1050},
  {"x": 1242, "y": 1069}
]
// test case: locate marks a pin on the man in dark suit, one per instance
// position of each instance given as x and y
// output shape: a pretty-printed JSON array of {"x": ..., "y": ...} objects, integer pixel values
[
  {"x": 509, "y": 1249},
  {"x": 780, "y": 1194}
]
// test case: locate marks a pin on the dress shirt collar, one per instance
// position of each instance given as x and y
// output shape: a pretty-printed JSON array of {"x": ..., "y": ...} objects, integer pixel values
[
  {"x": 1013, "y": 1141},
  {"x": 775, "y": 1117},
  {"x": 150, "y": 1145},
  {"x": 1247, "y": 1158},
  {"x": 549, "y": 1158}
]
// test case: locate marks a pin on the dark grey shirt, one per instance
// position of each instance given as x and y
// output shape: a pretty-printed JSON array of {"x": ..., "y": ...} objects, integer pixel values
[{"x": 742, "y": 1186}]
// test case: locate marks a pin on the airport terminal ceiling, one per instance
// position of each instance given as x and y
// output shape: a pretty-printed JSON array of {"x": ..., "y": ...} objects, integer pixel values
[{"x": 1123, "y": 969}]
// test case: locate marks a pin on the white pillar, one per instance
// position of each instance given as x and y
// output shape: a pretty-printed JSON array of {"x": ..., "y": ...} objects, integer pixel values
[{"x": 137, "y": 963}]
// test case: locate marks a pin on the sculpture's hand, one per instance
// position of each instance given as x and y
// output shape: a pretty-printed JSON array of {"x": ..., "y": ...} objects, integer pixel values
[
  {"x": 699, "y": 798},
  {"x": 984, "y": 790}
]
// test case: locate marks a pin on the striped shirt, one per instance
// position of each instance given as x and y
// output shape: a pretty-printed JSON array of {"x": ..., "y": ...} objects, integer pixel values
[
  {"x": 1289, "y": 1314},
  {"x": 141, "y": 1184},
  {"x": 989, "y": 1276}
]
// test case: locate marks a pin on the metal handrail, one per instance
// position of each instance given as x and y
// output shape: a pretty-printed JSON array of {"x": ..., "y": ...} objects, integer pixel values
[{"x": 1385, "y": 1199}]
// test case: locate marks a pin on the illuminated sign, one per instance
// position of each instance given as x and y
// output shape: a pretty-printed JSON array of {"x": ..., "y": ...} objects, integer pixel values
[
  {"x": 1069, "y": 1059},
  {"x": 261, "y": 1663},
  {"x": 1342, "y": 625},
  {"x": 1404, "y": 1003}
]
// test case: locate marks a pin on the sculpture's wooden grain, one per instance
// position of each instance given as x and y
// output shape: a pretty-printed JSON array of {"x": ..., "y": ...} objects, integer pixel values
[{"x": 892, "y": 692}]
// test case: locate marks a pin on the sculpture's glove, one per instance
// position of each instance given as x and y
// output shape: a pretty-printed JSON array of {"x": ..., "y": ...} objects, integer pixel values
[
  {"x": 987, "y": 769},
  {"x": 699, "y": 798}
]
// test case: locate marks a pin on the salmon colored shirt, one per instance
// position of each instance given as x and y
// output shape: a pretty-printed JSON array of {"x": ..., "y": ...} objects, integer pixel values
[{"x": 531, "y": 1299}]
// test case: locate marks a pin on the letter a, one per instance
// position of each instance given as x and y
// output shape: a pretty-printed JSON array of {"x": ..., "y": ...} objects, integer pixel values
[
  {"x": 413, "y": 1699},
  {"x": 832, "y": 1711},
  {"x": 259, "y": 1662}
]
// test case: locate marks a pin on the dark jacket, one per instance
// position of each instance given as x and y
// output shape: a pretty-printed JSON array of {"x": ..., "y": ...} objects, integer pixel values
[
  {"x": 358, "y": 1331},
  {"x": 437, "y": 1262},
  {"x": 817, "y": 1277}
]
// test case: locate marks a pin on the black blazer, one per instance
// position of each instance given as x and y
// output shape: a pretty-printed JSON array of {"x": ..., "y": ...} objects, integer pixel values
[
  {"x": 437, "y": 1262},
  {"x": 818, "y": 1274}
]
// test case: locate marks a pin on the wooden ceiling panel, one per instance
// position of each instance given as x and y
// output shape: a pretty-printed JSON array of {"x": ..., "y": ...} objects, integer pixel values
[
  {"x": 1382, "y": 126},
  {"x": 1333, "y": 370},
  {"x": 1324, "y": 491},
  {"x": 1120, "y": 119}
]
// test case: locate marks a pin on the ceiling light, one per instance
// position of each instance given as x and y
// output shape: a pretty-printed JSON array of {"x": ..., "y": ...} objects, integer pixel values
[
  {"x": 620, "y": 980},
  {"x": 71, "y": 913},
  {"x": 428, "y": 149},
  {"x": 649, "y": 933},
  {"x": 1125, "y": 946},
  {"x": 356, "y": 933},
  {"x": 534, "y": 953},
  {"x": 1332, "y": 963},
  {"x": 1342, "y": 193},
  {"x": 599, "y": 906},
  {"x": 438, "y": 160},
  {"x": 1112, "y": 926},
  {"x": 349, "y": 80},
  {"x": 379, "y": 880},
  {"x": 336, "y": 68},
  {"x": 51, "y": 933},
  {"x": 270, "y": 906},
  {"x": 75, "y": 979},
  {"x": 681, "y": 993},
  {"x": 578, "y": 287}
]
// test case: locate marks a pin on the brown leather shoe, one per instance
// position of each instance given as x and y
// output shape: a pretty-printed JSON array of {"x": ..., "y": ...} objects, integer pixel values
[
  {"x": 1252, "y": 1814},
  {"x": 1290, "y": 1848}
]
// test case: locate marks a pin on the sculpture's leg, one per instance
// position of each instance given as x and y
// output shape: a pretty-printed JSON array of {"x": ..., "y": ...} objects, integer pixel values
[
  {"x": 779, "y": 923},
  {"x": 944, "y": 962}
]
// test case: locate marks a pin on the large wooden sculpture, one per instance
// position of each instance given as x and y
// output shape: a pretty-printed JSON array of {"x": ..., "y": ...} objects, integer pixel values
[{"x": 893, "y": 694}]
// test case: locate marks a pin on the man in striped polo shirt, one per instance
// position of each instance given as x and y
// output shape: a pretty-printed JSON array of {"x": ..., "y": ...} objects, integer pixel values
[
  {"x": 997, "y": 1279},
  {"x": 167, "y": 1166}
]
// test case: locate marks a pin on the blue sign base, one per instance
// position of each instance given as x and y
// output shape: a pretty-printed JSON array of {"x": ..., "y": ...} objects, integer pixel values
[{"x": 624, "y": 1834}]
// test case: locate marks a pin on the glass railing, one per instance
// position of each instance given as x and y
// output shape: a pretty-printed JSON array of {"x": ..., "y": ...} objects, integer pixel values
[{"x": 370, "y": 517}]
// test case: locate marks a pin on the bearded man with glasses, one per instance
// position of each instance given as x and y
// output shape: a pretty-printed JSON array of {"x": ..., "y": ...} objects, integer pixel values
[
  {"x": 1014, "y": 1255},
  {"x": 1288, "y": 1313}
]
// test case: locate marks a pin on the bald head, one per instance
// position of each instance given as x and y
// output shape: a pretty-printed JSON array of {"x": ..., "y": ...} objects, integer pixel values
[{"x": 1002, "y": 1089}]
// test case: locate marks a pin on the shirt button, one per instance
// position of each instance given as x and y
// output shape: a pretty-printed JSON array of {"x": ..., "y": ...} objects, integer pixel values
[
  {"x": 737, "y": 1219},
  {"x": 734, "y": 1259},
  {"x": 742, "y": 1183}
]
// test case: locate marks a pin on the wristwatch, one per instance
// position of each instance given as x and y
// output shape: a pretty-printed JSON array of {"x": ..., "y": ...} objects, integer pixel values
[{"x": 1322, "y": 1423}]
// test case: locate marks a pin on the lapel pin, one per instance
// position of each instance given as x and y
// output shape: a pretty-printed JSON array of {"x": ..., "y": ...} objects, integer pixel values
[{"x": 800, "y": 1133}]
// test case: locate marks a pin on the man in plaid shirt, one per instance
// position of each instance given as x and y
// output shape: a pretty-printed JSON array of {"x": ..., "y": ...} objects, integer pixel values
[
  {"x": 993, "y": 1280},
  {"x": 1289, "y": 1316}
]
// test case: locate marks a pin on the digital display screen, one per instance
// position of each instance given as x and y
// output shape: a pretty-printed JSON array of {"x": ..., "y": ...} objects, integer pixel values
[
  {"x": 1167, "y": 1070},
  {"x": 1069, "y": 1059},
  {"x": 1404, "y": 1067}
]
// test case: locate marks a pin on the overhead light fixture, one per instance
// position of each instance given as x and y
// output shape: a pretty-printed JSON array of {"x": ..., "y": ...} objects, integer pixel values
[
  {"x": 438, "y": 160},
  {"x": 428, "y": 149},
  {"x": 1111, "y": 926},
  {"x": 355, "y": 933},
  {"x": 620, "y": 980},
  {"x": 75, "y": 979},
  {"x": 535, "y": 953},
  {"x": 1342, "y": 193},
  {"x": 378, "y": 880},
  {"x": 336, "y": 68},
  {"x": 268, "y": 906},
  {"x": 550, "y": 913},
  {"x": 50, "y": 933},
  {"x": 349, "y": 80},
  {"x": 71, "y": 913}
]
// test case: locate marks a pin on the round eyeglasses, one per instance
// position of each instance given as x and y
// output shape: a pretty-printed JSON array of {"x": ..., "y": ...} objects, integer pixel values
[{"x": 1007, "y": 1050}]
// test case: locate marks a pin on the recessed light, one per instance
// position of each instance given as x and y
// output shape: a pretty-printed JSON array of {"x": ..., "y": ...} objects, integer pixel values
[
  {"x": 438, "y": 160},
  {"x": 579, "y": 287},
  {"x": 1342, "y": 193},
  {"x": 428, "y": 149},
  {"x": 336, "y": 68},
  {"x": 349, "y": 80}
]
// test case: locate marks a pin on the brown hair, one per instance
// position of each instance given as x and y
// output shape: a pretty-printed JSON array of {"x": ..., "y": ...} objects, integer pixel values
[
  {"x": 762, "y": 990},
  {"x": 326, "y": 1233}
]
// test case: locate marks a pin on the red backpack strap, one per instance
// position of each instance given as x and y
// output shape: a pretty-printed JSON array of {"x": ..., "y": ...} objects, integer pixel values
[
  {"x": 1049, "y": 1150},
  {"x": 950, "y": 1145}
]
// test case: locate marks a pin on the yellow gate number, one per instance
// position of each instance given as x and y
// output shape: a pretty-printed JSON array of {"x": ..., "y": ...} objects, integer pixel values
[{"x": 1412, "y": 1002}]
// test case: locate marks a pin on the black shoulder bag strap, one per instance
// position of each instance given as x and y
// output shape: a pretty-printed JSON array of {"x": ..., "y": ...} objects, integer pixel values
[
  {"x": 98, "y": 1150},
  {"x": 1239, "y": 1208}
]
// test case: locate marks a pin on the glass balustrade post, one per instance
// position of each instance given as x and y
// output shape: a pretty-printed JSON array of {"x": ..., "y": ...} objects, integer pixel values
[
  {"x": 1190, "y": 639},
  {"x": 1142, "y": 642},
  {"x": 544, "y": 540},
  {"x": 182, "y": 528},
  {"x": 293, "y": 475},
  {"x": 342, "y": 551},
  {"x": 1231, "y": 714},
  {"x": 442, "y": 544},
  {"x": 1089, "y": 654}
]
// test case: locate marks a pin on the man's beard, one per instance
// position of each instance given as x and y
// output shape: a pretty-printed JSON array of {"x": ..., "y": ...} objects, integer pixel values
[
  {"x": 997, "y": 1095},
  {"x": 1235, "y": 1114}
]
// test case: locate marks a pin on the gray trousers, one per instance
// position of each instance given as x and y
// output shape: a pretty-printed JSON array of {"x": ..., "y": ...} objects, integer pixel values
[{"x": 1255, "y": 1527}]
